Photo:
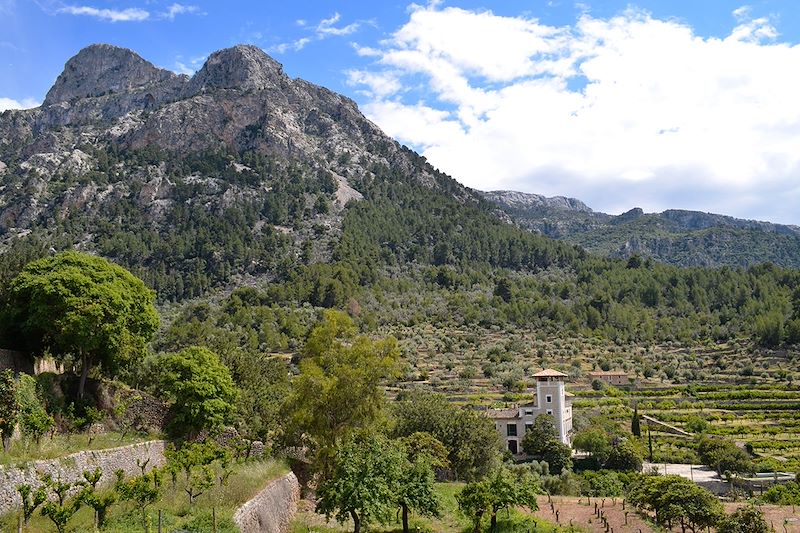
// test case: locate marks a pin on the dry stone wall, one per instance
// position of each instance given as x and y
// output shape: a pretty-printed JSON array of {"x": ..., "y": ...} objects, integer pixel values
[
  {"x": 272, "y": 510},
  {"x": 71, "y": 467}
]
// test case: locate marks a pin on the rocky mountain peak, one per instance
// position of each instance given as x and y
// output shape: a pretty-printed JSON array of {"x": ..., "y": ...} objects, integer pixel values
[
  {"x": 244, "y": 67},
  {"x": 522, "y": 200},
  {"x": 102, "y": 69}
]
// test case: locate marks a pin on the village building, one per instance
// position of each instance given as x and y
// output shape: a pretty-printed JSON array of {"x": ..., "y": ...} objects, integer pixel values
[
  {"x": 612, "y": 377},
  {"x": 551, "y": 398}
]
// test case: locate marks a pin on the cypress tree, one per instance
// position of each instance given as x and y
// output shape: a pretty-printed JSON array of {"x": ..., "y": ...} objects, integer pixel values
[{"x": 635, "y": 426}]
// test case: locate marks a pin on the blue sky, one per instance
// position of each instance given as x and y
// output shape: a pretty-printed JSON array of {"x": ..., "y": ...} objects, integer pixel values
[{"x": 659, "y": 104}]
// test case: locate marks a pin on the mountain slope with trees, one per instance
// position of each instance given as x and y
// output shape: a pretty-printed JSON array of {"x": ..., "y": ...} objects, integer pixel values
[
  {"x": 675, "y": 236},
  {"x": 241, "y": 175}
]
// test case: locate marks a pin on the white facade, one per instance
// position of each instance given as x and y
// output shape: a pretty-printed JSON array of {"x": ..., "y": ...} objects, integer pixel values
[{"x": 551, "y": 398}]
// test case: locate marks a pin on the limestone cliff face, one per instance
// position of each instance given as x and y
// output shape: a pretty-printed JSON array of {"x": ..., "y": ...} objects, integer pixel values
[
  {"x": 111, "y": 100},
  {"x": 242, "y": 67},
  {"x": 102, "y": 69}
]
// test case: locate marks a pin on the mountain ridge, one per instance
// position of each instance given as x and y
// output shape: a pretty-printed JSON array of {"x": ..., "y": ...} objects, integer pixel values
[
  {"x": 129, "y": 160},
  {"x": 677, "y": 236}
]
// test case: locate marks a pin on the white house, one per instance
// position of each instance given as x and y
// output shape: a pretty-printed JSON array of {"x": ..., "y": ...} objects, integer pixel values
[{"x": 550, "y": 398}]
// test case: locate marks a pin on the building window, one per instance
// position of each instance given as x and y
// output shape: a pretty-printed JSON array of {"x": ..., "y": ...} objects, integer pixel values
[
  {"x": 549, "y": 411},
  {"x": 511, "y": 430},
  {"x": 549, "y": 399},
  {"x": 512, "y": 446},
  {"x": 529, "y": 412},
  {"x": 528, "y": 427}
]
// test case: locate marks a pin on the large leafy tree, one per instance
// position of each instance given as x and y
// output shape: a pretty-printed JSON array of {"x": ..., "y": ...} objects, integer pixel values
[
  {"x": 502, "y": 489},
  {"x": 82, "y": 308},
  {"x": 676, "y": 500},
  {"x": 200, "y": 388},
  {"x": 415, "y": 486},
  {"x": 538, "y": 439},
  {"x": 722, "y": 455},
  {"x": 595, "y": 442},
  {"x": 470, "y": 437},
  {"x": 625, "y": 456},
  {"x": 339, "y": 388},
  {"x": 747, "y": 519},
  {"x": 362, "y": 484}
]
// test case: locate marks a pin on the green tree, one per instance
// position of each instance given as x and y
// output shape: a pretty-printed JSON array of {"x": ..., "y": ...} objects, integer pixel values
[
  {"x": 34, "y": 419},
  {"x": 557, "y": 455},
  {"x": 83, "y": 308},
  {"x": 538, "y": 438},
  {"x": 788, "y": 494},
  {"x": 414, "y": 489},
  {"x": 676, "y": 500},
  {"x": 503, "y": 289},
  {"x": 90, "y": 496},
  {"x": 595, "y": 442},
  {"x": 696, "y": 424},
  {"x": 469, "y": 437},
  {"x": 722, "y": 455},
  {"x": 502, "y": 489},
  {"x": 200, "y": 389},
  {"x": 9, "y": 407},
  {"x": 768, "y": 329},
  {"x": 636, "y": 428},
  {"x": 339, "y": 388},
  {"x": 361, "y": 485},
  {"x": 747, "y": 519},
  {"x": 61, "y": 509},
  {"x": 142, "y": 491},
  {"x": 625, "y": 456},
  {"x": 474, "y": 501},
  {"x": 602, "y": 484},
  {"x": 31, "y": 499},
  {"x": 423, "y": 445}
]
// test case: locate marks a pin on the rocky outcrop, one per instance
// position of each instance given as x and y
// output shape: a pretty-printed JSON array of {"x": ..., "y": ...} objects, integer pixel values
[
  {"x": 103, "y": 69},
  {"x": 272, "y": 509},
  {"x": 71, "y": 468},
  {"x": 521, "y": 200},
  {"x": 242, "y": 67}
]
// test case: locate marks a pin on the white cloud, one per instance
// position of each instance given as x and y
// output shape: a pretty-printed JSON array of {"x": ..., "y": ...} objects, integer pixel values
[
  {"x": 112, "y": 15},
  {"x": 629, "y": 110},
  {"x": 325, "y": 28},
  {"x": 25, "y": 103},
  {"x": 178, "y": 9},
  {"x": 379, "y": 84}
]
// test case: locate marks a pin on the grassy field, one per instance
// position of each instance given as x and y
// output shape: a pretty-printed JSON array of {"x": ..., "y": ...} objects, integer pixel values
[
  {"x": 177, "y": 514},
  {"x": 450, "y": 521}
]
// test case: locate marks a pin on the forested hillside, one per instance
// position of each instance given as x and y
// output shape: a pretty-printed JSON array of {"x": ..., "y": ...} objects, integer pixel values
[
  {"x": 308, "y": 202},
  {"x": 678, "y": 237}
]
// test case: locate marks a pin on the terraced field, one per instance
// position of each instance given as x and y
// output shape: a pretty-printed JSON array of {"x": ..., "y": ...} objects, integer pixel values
[{"x": 748, "y": 394}]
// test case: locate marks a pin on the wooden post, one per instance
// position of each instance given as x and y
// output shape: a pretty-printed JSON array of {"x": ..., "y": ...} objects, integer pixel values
[
  {"x": 214, "y": 518},
  {"x": 160, "y": 520},
  {"x": 19, "y": 523}
]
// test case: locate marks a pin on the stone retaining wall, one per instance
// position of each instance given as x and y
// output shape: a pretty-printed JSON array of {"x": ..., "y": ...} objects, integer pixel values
[
  {"x": 272, "y": 509},
  {"x": 71, "y": 467}
]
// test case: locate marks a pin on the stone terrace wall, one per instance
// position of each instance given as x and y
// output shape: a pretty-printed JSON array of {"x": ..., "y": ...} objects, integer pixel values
[
  {"x": 71, "y": 467},
  {"x": 272, "y": 509}
]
